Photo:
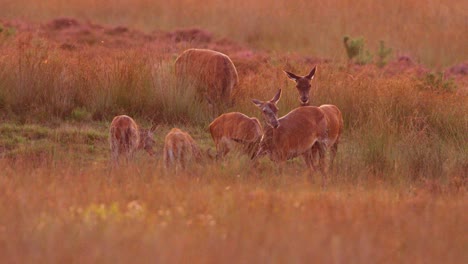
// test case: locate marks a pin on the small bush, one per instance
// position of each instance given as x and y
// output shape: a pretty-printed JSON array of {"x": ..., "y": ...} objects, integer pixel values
[
  {"x": 383, "y": 54},
  {"x": 436, "y": 81},
  {"x": 355, "y": 50},
  {"x": 7, "y": 31}
]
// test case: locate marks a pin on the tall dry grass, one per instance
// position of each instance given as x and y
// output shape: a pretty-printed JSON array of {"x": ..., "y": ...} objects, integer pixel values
[
  {"x": 393, "y": 126},
  {"x": 43, "y": 83},
  {"x": 85, "y": 215},
  {"x": 397, "y": 192},
  {"x": 433, "y": 31}
]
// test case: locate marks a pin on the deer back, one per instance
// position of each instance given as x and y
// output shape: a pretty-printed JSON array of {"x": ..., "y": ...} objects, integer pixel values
[
  {"x": 297, "y": 132},
  {"x": 236, "y": 126},
  {"x": 213, "y": 72},
  {"x": 179, "y": 147}
]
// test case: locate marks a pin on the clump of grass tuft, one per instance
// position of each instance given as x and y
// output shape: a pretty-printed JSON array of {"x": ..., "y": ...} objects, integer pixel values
[
  {"x": 80, "y": 114},
  {"x": 436, "y": 81}
]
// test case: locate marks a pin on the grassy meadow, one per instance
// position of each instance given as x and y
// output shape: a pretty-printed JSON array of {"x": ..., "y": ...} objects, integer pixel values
[
  {"x": 433, "y": 31},
  {"x": 397, "y": 192}
]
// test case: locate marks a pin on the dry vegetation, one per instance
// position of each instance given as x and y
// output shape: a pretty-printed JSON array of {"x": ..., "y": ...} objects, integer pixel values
[
  {"x": 432, "y": 30},
  {"x": 68, "y": 214},
  {"x": 397, "y": 193}
]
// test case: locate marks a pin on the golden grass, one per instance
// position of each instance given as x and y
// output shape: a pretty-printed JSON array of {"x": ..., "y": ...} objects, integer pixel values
[
  {"x": 433, "y": 31},
  {"x": 61, "y": 202},
  {"x": 397, "y": 193},
  {"x": 87, "y": 215}
]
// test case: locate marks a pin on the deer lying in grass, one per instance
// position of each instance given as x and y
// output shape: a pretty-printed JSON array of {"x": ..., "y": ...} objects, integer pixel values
[
  {"x": 213, "y": 73},
  {"x": 231, "y": 129},
  {"x": 332, "y": 113},
  {"x": 294, "y": 134},
  {"x": 126, "y": 138},
  {"x": 180, "y": 149}
]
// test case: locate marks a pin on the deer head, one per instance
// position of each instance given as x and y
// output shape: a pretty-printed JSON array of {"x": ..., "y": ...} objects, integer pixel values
[
  {"x": 302, "y": 85},
  {"x": 269, "y": 109},
  {"x": 147, "y": 141}
]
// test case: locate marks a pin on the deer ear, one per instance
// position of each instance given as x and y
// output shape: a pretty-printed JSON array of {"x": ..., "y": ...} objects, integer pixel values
[
  {"x": 292, "y": 76},
  {"x": 257, "y": 102},
  {"x": 311, "y": 75},
  {"x": 277, "y": 97}
]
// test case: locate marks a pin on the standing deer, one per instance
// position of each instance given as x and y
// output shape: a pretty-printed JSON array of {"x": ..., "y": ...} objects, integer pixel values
[
  {"x": 293, "y": 134},
  {"x": 212, "y": 73},
  {"x": 126, "y": 138},
  {"x": 332, "y": 113},
  {"x": 235, "y": 128},
  {"x": 180, "y": 149}
]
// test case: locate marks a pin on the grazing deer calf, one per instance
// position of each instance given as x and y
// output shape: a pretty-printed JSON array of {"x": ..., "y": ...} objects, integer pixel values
[
  {"x": 332, "y": 113},
  {"x": 235, "y": 128},
  {"x": 180, "y": 149},
  {"x": 126, "y": 138},
  {"x": 293, "y": 134}
]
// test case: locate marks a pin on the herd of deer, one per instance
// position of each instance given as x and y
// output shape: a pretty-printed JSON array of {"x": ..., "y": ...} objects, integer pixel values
[{"x": 305, "y": 131}]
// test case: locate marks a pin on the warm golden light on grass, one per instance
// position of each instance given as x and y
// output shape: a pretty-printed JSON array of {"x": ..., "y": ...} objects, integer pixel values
[
  {"x": 397, "y": 191},
  {"x": 431, "y": 30},
  {"x": 67, "y": 214}
]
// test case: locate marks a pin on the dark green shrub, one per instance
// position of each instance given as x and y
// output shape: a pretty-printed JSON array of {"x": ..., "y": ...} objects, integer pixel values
[
  {"x": 383, "y": 54},
  {"x": 436, "y": 81},
  {"x": 355, "y": 50}
]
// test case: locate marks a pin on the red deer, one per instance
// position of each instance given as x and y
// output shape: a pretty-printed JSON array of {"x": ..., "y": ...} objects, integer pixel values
[
  {"x": 126, "y": 138},
  {"x": 180, "y": 149},
  {"x": 235, "y": 128},
  {"x": 213, "y": 73},
  {"x": 332, "y": 113},
  {"x": 303, "y": 85},
  {"x": 294, "y": 134}
]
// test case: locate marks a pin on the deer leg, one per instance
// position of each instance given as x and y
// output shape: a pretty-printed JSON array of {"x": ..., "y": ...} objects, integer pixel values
[
  {"x": 322, "y": 149},
  {"x": 129, "y": 156},
  {"x": 222, "y": 149},
  {"x": 114, "y": 157},
  {"x": 315, "y": 153},
  {"x": 333, "y": 150},
  {"x": 166, "y": 160},
  {"x": 115, "y": 153},
  {"x": 249, "y": 149},
  {"x": 309, "y": 160},
  {"x": 184, "y": 159},
  {"x": 254, "y": 159}
]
